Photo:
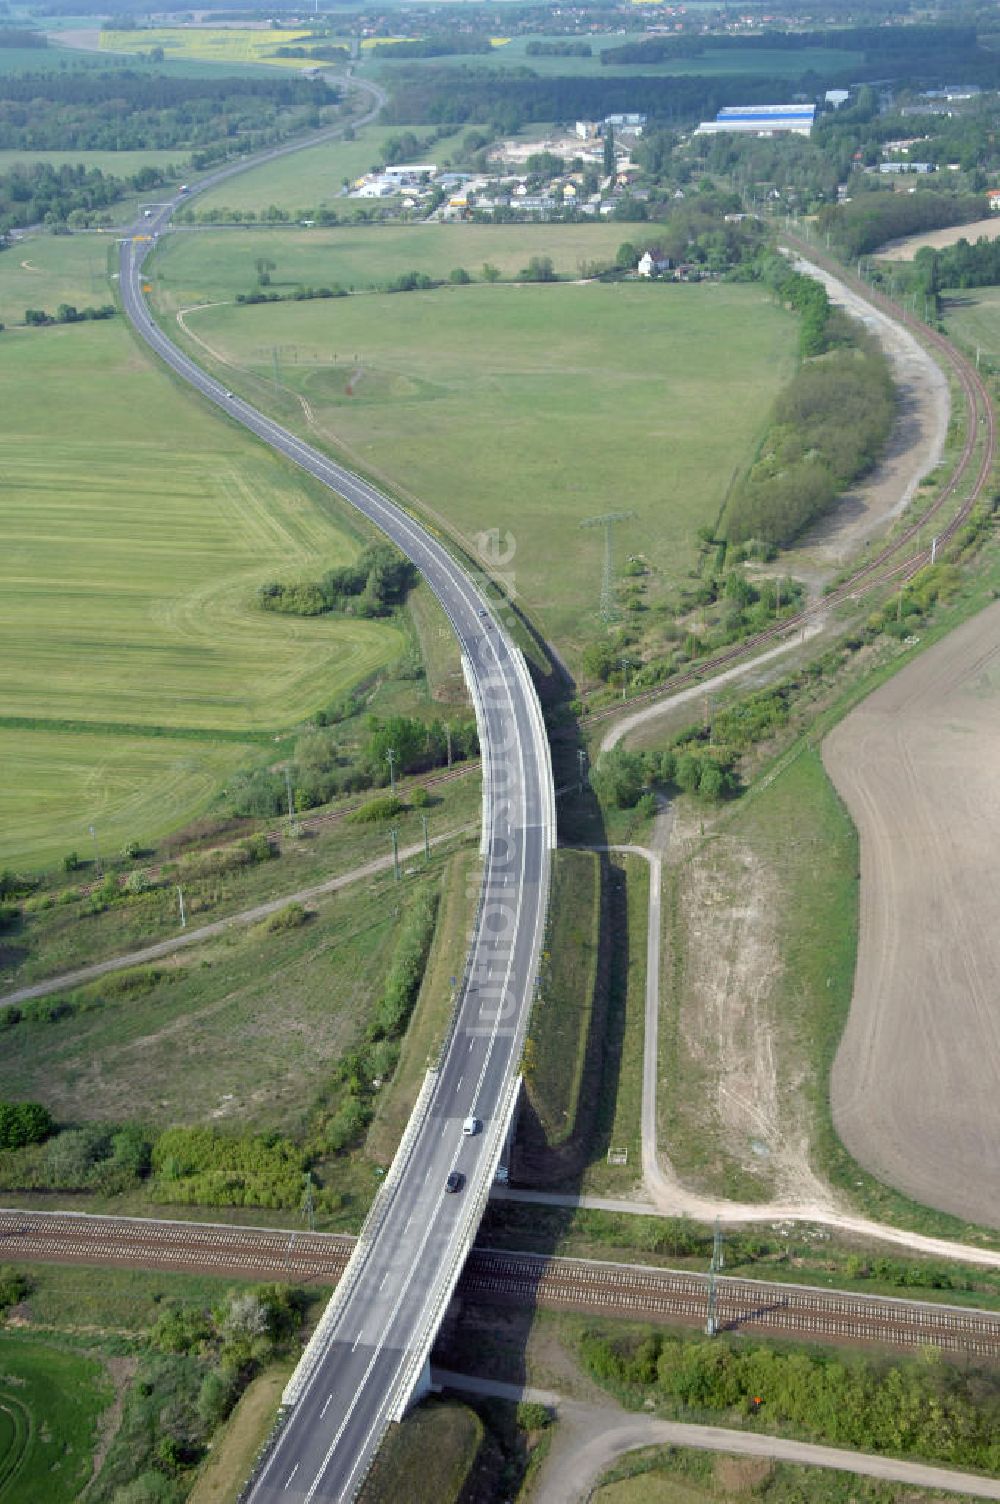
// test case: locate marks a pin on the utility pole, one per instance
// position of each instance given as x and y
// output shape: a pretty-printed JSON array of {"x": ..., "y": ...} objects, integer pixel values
[
  {"x": 277, "y": 367},
  {"x": 447, "y": 732},
  {"x": 626, "y": 664},
  {"x": 391, "y": 759},
  {"x": 581, "y": 766},
  {"x": 712, "y": 1320},
  {"x": 395, "y": 853},
  {"x": 97, "y": 854},
  {"x": 288, "y": 791},
  {"x": 934, "y": 548},
  {"x": 309, "y": 1202},
  {"x": 427, "y": 844},
  {"x": 180, "y": 901},
  {"x": 607, "y": 520}
]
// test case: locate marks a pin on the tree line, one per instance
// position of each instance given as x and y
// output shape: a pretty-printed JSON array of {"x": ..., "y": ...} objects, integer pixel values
[
  {"x": 826, "y": 429},
  {"x": 328, "y": 762},
  {"x": 125, "y": 110},
  {"x": 870, "y": 219}
]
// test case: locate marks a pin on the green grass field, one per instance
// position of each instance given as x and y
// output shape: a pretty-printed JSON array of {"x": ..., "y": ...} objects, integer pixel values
[
  {"x": 167, "y": 1055},
  {"x": 137, "y": 529},
  {"x": 514, "y": 54},
  {"x": 310, "y": 178},
  {"x": 530, "y": 409},
  {"x": 218, "y": 264},
  {"x": 61, "y": 782},
  {"x": 561, "y": 1017},
  {"x": 972, "y": 316},
  {"x": 50, "y": 1401},
  {"x": 43, "y": 271}
]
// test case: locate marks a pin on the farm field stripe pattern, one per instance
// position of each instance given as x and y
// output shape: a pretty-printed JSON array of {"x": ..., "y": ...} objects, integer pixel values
[
  {"x": 902, "y": 568},
  {"x": 514, "y": 1279}
]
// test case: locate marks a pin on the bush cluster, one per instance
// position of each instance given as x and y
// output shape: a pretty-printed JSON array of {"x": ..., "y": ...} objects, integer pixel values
[
  {"x": 826, "y": 430},
  {"x": 196, "y": 1363},
  {"x": 203, "y": 1166},
  {"x": 97, "y": 1157},
  {"x": 926, "y": 1408},
  {"x": 325, "y": 765},
  {"x": 377, "y": 581}
]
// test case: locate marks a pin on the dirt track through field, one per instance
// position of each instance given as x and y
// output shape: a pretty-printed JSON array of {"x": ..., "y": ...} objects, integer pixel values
[{"x": 916, "y": 1082}]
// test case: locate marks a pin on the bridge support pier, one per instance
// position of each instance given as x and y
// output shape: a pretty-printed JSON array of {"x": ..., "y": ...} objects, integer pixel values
[{"x": 419, "y": 1391}]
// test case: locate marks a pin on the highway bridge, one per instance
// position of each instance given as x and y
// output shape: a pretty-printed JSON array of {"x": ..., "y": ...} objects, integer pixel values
[{"x": 369, "y": 1356}]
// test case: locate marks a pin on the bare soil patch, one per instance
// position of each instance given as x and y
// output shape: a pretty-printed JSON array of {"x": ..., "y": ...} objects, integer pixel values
[
  {"x": 907, "y": 248},
  {"x": 734, "y": 1082},
  {"x": 915, "y": 1088}
]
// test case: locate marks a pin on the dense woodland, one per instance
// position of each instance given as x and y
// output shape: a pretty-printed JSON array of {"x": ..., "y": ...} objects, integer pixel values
[
  {"x": 127, "y": 110},
  {"x": 71, "y": 195}
]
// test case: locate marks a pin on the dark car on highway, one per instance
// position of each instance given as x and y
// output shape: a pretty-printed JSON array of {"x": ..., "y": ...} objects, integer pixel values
[{"x": 455, "y": 1182}]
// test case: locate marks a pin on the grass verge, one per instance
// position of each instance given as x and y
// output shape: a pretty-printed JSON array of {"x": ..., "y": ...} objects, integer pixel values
[
  {"x": 561, "y": 1017},
  {"x": 432, "y": 1014}
]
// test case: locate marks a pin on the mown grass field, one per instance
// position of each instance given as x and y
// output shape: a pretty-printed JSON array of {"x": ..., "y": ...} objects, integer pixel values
[
  {"x": 43, "y": 271},
  {"x": 214, "y": 264},
  {"x": 60, "y": 782},
  {"x": 530, "y": 409},
  {"x": 137, "y": 528},
  {"x": 50, "y": 1401}
]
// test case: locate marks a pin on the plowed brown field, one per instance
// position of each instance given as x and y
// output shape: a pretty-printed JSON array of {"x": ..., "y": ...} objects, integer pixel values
[{"x": 916, "y": 1082}]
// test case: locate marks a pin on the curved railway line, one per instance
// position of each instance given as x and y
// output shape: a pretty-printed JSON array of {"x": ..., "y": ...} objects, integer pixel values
[
  {"x": 521, "y": 1280},
  {"x": 982, "y": 425}
]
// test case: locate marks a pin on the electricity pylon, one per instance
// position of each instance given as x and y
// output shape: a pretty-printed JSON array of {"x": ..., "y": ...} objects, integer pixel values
[{"x": 607, "y": 520}]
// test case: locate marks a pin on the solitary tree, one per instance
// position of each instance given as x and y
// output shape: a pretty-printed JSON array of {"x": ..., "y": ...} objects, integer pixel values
[{"x": 264, "y": 269}]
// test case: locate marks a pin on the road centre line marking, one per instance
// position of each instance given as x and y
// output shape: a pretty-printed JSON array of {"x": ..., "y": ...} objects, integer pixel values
[{"x": 326, "y": 1405}]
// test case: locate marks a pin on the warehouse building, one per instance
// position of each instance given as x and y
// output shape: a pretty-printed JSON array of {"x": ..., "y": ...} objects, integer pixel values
[{"x": 761, "y": 120}]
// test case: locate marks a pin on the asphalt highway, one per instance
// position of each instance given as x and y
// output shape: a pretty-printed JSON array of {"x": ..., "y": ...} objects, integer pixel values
[{"x": 387, "y": 1316}]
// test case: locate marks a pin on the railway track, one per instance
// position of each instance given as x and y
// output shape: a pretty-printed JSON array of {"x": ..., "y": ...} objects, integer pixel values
[
  {"x": 898, "y": 560},
  {"x": 511, "y": 1279}
]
